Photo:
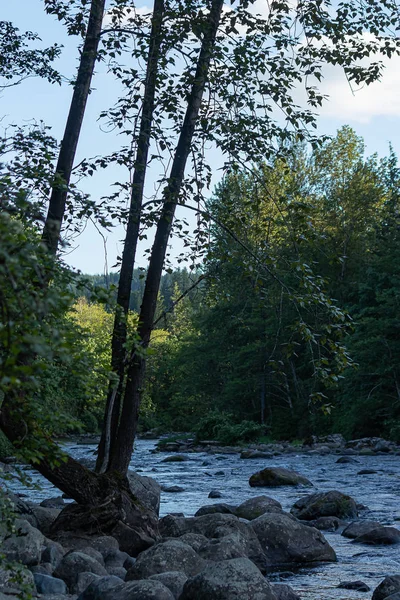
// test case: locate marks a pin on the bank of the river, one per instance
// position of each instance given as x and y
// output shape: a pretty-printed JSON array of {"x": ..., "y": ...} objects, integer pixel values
[{"x": 214, "y": 469}]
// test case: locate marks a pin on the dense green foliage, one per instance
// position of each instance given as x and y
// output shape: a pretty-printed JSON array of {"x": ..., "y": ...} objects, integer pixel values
[
  {"x": 293, "y": 328},
  {"x": 303, "y": 312}
]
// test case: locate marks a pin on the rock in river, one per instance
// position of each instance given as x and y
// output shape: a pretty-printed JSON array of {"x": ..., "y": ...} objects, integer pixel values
[
  {"x": 285, "y": 541},
  {"x": 172, "y": 555},
  {"x": 255, "y": 507},
  {"x": 380, "y": 535},
  {"x": 276, "y": 477},
  {"x": 389, "y": 586},
  {"x": 325, "y": 504},
  {"x": 235, "y": 579}
]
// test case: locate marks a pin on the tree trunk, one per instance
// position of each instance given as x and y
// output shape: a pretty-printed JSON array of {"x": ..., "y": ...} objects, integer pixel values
[
  {"x": 119, "y": 336},
  {"x": 123, "y": 446},
  {"x": 55, "y": 214}
]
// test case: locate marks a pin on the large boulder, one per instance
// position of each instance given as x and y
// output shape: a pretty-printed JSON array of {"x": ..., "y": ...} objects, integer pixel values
[
  {"x": 325, "y": 504},
  {"x": 173, "y": 580},
  {"x": 25, "y": 545},
  {"x": 171, "y": 555},
  {"x": 380, "y": 535},
  {"x": 390, "y": 585},
  {"x": 45, "y": 517},
  {"x": 146, "y": 589},
  {"x": 45, "y": 584},
  {"x": 21, "y": 508},
  {"x": 285, "y": 541},
  {"x": 218, "y": 526},
  {"x": 147, "y": 490},
  {"x": 277, "y": 477},
  {"x": 74, "y": 563},
  {"x": 234, "y": 545},
  {"x": 255, "y": 507},
  {"x": 196, "y": 540},
  {"x": 236, "y": 579},
  {"x": 357, "y": 528},
  {"x": 210, "y": 509},
  {"x": 18, "y": 577}
]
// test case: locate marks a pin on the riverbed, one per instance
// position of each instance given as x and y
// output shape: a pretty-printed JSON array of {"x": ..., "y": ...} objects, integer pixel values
[{"x": 227, "y": 473}]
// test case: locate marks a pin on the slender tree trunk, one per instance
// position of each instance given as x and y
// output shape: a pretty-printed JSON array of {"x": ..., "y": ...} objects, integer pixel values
[
  {"x": 122, "y": 452},
  {"x": 70, "y": 476},
  {"x": 119, "y": 336},
  {"x": 55, "y": 215}
]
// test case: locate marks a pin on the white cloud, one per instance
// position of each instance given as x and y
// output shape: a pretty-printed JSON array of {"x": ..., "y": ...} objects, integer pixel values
[{"x": 381, "y": 98}]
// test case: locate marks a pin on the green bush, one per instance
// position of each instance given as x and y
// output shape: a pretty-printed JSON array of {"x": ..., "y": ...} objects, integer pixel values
[
  {"x": 221, "y": 427},
  {"x": 89, "y": 422},
  {"x": 6, "y": 448}
]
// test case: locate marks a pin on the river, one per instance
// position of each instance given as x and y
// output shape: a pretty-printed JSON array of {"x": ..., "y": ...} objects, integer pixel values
[{"x": 229, "y": 474}]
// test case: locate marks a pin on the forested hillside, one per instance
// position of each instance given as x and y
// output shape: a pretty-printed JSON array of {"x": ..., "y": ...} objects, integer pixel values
[{"x": 294, "y": 322}]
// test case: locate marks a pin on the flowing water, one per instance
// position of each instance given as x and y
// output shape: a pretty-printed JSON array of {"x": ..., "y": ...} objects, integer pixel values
[{"x": 227, "y": 473}]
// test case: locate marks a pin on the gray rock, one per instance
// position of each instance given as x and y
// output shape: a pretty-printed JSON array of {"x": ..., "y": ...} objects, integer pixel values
[
  {"x": 117, "y": 572},
  {"x": 97, "y": 589},
  {"x": 276, "y": 477},
  {"x": 284, "y": 592},
  {"x": 173, "y": 580},
  {"x": 133, "y": 540},
  {"x": 17, "y": 577},
  {"x": 196, "y": 540},
  {"x": 103, "y": 544},
  {"x": 55, "y": 502},
  {"x": 211, "y": 509},
  {"x": 45, "y": 584},
  {"x": 172, "y": 555},
  {"x": 389, "y": 586},
  {"x": 358, "y": 586},
  {"x": 255, "y": 507},
  {"x": 215, "y": 494},
  {"x": 24, "y": 546},
  {"x": 43, "y": 569},
  {"x": 90, "y": 551},
  {"x": 380, "y": 535},
  {"x": 326, "y": 523},
  {"x": 346, "y": 459},
  {"x": 236, "y": 579},
  {"x": 146, "y": 589},
  {"x": 325, "y": 504},
  {"x": 83, "y": 581},
  {"x": 21, "y": 508},
  {"x": 115, "y": 558},
  {"x": 175, "y": 458},
  {"x": 285, "y": 541},
  {"x": 45, "y": 517},
  {"x": 395, "y": 596},
  {"x": 172, "y": 489},
  {"x": 147, "y": 490},
  {"x": 357, "y": 528},
  {"x": 367, "y": 472},
  {"x": 234, "y": 545},
  {"x": 217, "y": 526},
  {"x": 52, "y": 552},
  {"x": 249, "y": 454},
  {"x": 74, "y": 563}
]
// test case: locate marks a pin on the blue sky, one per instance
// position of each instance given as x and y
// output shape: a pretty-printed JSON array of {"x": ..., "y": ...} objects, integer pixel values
[{"x": 374, "y": 112}]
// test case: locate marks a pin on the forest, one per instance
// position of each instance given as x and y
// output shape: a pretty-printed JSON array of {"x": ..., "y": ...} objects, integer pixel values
[
  {"x": 227, "y": 346},
  {"x": 263, "y": 305}
]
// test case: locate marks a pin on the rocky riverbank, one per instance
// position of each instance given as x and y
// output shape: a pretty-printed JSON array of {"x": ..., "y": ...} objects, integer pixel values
[{"x": 226, "y": 543}]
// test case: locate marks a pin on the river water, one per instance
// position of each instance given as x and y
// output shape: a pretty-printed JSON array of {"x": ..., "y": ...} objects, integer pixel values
[{"x": 227, "y": 473}]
